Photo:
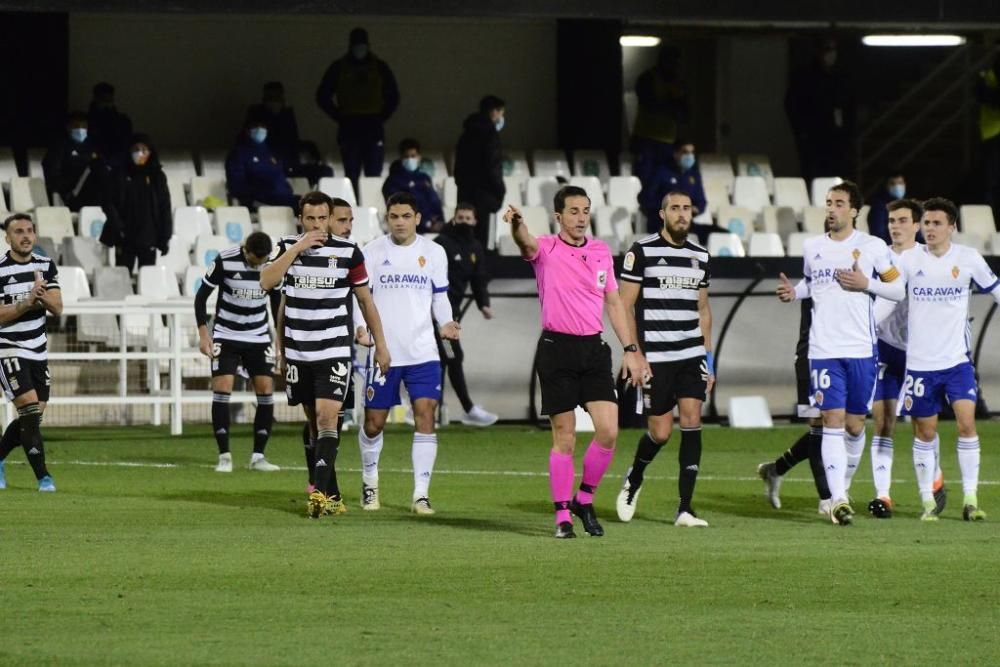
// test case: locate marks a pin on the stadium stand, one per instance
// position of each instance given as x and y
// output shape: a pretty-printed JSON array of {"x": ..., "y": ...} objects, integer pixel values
[
  {"x": 819, "y": 188},
  {"x": 756, "y": 165},
  {"x": 27, "y": 193},
  {"x": 370, "y": 192},
  {"x": 91, "y": 222},
  {"x": 624, "y": 191},
  {"x": 178, "y": 257},
  {"x": 233, "y": 222},
  {"x": 978, "y": 220},
  {"x": 190, "y": 222},
  {"x": 721, "y": 244},
  {"x": 550, "y": 162},
  {"x": 54, "y": 221},
  {"x": 203, "y": 187},
  {"x": 791, "y": 192},
  {"x": 738, "y": 220},
  {"x": 276, "y": 220},
  {"x": 766, "y": 244},
  {"x": 591, "y": 163},
  {"x": 592, "y": 185},
  {"x": 539, "y": 190},
  {"x": 750, "y": 192},
  {"x": 207, "y": 247},
  {"x": 334, "y": 186}
]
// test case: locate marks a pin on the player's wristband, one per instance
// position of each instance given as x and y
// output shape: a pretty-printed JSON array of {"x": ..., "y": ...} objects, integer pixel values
[{"x": 710, "y": 362}]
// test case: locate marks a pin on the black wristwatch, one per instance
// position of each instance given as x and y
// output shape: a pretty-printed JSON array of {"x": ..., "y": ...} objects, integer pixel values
[{"x": 632, "y": 347}]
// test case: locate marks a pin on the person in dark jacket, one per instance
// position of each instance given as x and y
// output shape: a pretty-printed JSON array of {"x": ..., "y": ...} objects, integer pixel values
[
  {"x": 466, "y": 266},
  {"x": 479, "y": 163},
  {"x": 140, "y": 219},
  {"x": 110, "y": 129},
  {"x": 359, "y": 93},
  {"x": 662, "y": 100},
  {"x": 405, "y": 176},
  {"x": 74, "y": 167},
  {"x": 878, "y": 214},
  {"x": 254, "y": 175},
  {"x": 680, "y": 175}
]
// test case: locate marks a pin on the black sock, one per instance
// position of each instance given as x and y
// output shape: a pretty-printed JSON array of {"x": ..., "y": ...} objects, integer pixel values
[
  {"x": 309, "y": 447},
  {"x": 31, "y": 438},
  {"x": 794, "y": 455},
  {"x": 688, "y": 459},
  {"x": 262, "y": 421},
  {"x": 327, "y": 445},
  {"x": 645, "y": 452},
  {"x": 816, "y": 462},
  {"x": 456, "y": 376},
  {"x": 11, "y": 439},
  {"x": 220, "y": 420}
]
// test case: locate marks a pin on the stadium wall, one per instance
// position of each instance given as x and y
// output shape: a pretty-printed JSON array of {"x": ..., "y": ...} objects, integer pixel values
[{"x": 188, "y": 79}]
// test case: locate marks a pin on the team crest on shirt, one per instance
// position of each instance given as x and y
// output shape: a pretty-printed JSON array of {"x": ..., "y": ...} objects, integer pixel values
[
  {"x": 333, "y": 261},
  {"x": 908, "y": 402},
  {"x": 694, "y": 262},
  {"x": 954, "y": 272},
  {"x": 472, "y": 257},
  {"x": 602, "y": 278},
  {"x": 819, "y": 398},
  {"x": 629, "y": 261},
  {"x": 421, "y": 261},
  {"x": 855, "y": 254},
  {"x": 370, "y": 393}
]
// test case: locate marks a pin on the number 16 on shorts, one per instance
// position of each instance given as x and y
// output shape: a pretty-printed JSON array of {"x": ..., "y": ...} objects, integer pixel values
[{"x": 839, "y": 384}]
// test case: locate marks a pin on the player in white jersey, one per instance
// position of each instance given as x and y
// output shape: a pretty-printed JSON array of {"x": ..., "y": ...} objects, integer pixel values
[
  {"x": 904, "y": 223},
  {"x": 940, "y": 278},
  {"x": 842, "y": 363},
  {"x": 409, "y": 279}
]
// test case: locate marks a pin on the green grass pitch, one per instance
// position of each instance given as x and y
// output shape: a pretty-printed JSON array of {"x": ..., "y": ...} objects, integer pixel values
[{"x": 145, "y": 556}]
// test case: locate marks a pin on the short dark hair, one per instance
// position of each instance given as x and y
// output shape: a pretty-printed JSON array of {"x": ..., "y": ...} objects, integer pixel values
[
  {"x": 15, "y": 217},
  {"x": 853, "y": 192},
  {"x": 674, "y": 193},
  {"x": 315, "y": 198},
  {"x": 339, "y": 203},
  {"x": 75, "y": 117},
  {"x": 566, "y": 191},
  {"x": 407, "y": 144},
  {"x": 401, "y": 199},
  {"x": 915, "y": 208},
  {"x": 893, "y": 173},
  {"x": 942, "y": 204},
  {"x": 490, "y": 103},
  {"x": 259, "y": 244},
  {"x": 103, "y": 88},
  {"x": 465, "y": 206}
]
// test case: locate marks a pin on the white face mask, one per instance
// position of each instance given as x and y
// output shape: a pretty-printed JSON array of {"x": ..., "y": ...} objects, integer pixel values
[
  {"x": 500, "y": 122},
  {"x": 411, "y": 163}
]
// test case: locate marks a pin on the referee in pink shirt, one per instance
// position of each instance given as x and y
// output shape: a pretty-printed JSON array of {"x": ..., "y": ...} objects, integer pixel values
[{"x": 576, "y": 282}]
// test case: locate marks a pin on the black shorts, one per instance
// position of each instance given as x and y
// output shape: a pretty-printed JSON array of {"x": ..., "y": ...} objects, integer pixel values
[
  {"x": 672, "y": 381},
  {"x": 573, "y": 370},
  {"x": 306, "y": 381},
  {"x": 228, "y": 355},
  {"x": 804, "y": 408},
  {"x": 19, "y": 376}
]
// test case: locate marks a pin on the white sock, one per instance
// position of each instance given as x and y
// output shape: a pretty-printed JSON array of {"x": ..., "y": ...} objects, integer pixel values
[
  {"x": 835, "y": 462},
  {"x": 968, "y": 463},
  {"x": 371, "y": 448},
  {"x": 882, "y": 465},
  {"x": 923, "y": 465},
  {"x": 425, "y": 448},
  {"x": 256, "y": 456},
  {"x": 855, "y": 445},
  {"x": 937, "y": 456},
  {"x": 228, "y": 456}
]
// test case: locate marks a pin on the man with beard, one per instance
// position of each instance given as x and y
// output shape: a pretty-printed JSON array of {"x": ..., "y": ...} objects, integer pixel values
[{"x": 672, "y": 273}]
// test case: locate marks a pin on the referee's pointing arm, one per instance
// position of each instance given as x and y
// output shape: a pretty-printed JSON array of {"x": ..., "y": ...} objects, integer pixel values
[{"x": 527, "y": 243}]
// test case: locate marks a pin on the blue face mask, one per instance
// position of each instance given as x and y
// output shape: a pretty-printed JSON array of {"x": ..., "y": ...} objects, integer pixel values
[
  {"x": 499, "y": 123},
  {"x": 687, "y": 161},
  {"x": 897, "y": 191},
  {"x": 258, "y": 135},
  {"x": 78, "y": 134},
  {"x": 411, "y": 163},
  {"x": 359, "y": 51}
]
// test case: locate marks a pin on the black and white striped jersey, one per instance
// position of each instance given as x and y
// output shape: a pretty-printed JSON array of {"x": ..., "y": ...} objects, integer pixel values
[
  {"x": 317, "y": 290},
  {"x": 241, "y": 309},
  {"x": 667, "y": 310},
  {"x": 25, "y": 336}
]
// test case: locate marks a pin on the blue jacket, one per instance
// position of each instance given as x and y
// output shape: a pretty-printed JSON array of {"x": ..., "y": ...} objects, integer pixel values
[
  {"x": 418, "y": 184},
  {"x": 878, "y": 216},
  {"x": 254, "y": 174},
  {"x": 670, "y": 177}
]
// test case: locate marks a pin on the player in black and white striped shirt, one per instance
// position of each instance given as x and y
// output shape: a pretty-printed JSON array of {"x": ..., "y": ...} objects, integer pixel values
[
  {"x": 318, "y": 272},
  {"x": 30, "y": 287},
  {"x": 671, "y": 275},
  {"x": 239, "y": 337}
]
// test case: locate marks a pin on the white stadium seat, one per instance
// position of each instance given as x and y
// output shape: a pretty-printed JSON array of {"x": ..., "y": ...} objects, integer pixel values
[
  {"x": 178, "y": 197},
  {"x": 55, "y": 222},
  {"x": 591, "y": 163},
  {"x": 624, "y": 191},
  {"x": 539, "y": 190},
  {"x": 299, "y": 185},
  {"x": 721, "y": 244},
  {"x": 84, "y": 252},
  {"x": 27, "y": 193},
  {"x": 512, "y": 192},
  {"x": 192, "y": 281},
  {"x": 756, "y": 165},
  {"x": 207, "y": 248},
  {"x": 861, "y": 222},
  {"x": 178, "y": 165},
  {"x": 796, "y": 241},
  {"x": 334, "y": 186},
  {"x": 716, "y": 193},
  {"x": 277, "y": 220},
  {"x": 91, "y": 222},
  {"x": 977, "y": 219},
  {"x": 738, "y": 220},
  {"x": 203, "y": 187},
  {"x": 779, "y": 219},
  {"x": 969, "y": 239},
  {"x": 73, "y": 284},
  {"x": 819, "y": 188},
  {"x": 537, "y": 220},
  {"x": 213, "y": 164},
  {"x": 370, "y": 192},
  {"x": 177, "y": 259},
  {"x": 450, "y": 194},
  {"x": 550, "y": 162},
  {"x": 716, "y": 166},
  {"x": 366, "y": 225},
  {"x": 190, "y": 222},
  {"x": 157, "y": 283},
  {"x": 751, "y": 192},
  {"x": 433, "y": 164},
  {"x": 515, "y": 163},
  {"x": 233, "y": 222},
  {"x": 613, "y": 225},
  {"x": 791, "y": 192},
  {"x": 814, "y": 220},
  {"x": 766, "y": 244},
  {"x": 592, "y": 185}
]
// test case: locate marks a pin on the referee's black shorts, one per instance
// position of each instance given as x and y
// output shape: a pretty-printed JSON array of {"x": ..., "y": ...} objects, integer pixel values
[{"x": 573, "y": 370}]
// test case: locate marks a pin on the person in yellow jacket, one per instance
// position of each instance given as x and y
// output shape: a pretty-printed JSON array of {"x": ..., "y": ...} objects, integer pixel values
[
  {"x": 988, "y": 94},
  {"x": 359, "y": 92}
]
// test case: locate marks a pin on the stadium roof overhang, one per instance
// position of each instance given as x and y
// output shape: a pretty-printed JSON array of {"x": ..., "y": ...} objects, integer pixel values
[{"x": 903, "y": 14}]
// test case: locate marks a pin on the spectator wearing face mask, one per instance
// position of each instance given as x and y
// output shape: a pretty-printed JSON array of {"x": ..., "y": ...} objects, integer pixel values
[
  {"x": 662, "y": 100},
  {"x": 74, "y": 167},
  {"x": 359, "y": 93},
  {"x": 405, "y": 176},
  {"x": 255, "y": 175},
  {"x": 681, "y": 174},
  {"x": 479, "y": 163},
  {"x": 878, "y": 216},
  {"x": 110, "y": 129},
  {"x": 466, "y": 267},
  {"x": 139, "y": 218}
]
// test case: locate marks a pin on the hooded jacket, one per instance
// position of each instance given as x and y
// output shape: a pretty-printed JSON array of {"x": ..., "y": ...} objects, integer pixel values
[
  {"x": 479, "y": 163},
  {"x": 140, "y": 215}
]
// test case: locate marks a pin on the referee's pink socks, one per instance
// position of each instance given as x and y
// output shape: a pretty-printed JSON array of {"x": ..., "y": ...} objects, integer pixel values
[
  {"x": 595, "y": 464},
  {"x": 561, "y": 476}
]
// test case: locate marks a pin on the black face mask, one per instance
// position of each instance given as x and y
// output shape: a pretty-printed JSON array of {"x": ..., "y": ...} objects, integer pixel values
[{"x": 463, "y": 231}]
